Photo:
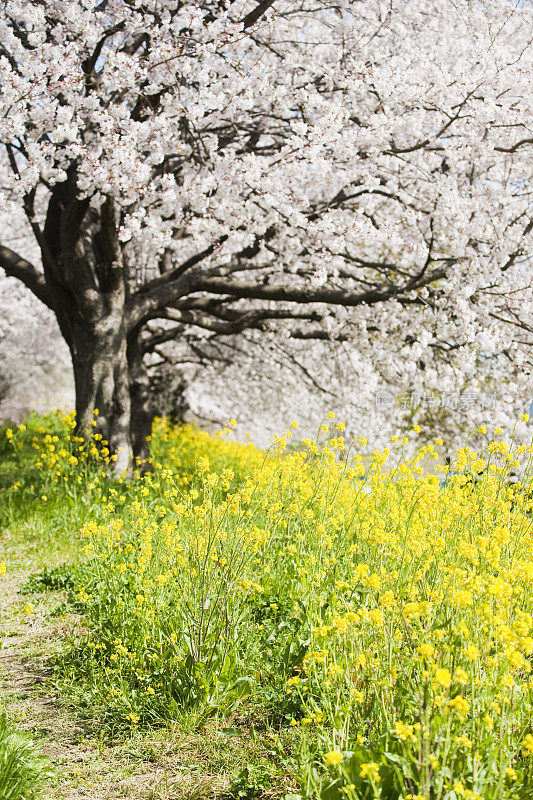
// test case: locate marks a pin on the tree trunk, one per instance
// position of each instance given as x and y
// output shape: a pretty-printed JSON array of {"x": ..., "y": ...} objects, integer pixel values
[
  {"x": 85, "y": 275},
  {"x": 101, "y": 379},
  {"x": 142, "y": 411}
]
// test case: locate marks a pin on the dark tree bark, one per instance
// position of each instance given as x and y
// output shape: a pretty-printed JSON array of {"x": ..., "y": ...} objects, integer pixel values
[
  {"x": 101, "y": 379},
  {"x": 85, "y": 285}
]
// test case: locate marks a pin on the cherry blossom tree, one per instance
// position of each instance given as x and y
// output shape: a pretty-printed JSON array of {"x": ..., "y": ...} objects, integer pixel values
[{"x": 355, "y": 172}]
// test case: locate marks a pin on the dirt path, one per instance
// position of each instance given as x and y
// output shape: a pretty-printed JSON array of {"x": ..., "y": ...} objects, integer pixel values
[{"x": 167, "y": 767}]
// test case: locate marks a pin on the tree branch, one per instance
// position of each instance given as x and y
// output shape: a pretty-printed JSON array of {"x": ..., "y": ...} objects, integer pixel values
[
  {"x": 17, "y": 267},
  {"x": 172, "y": 275},
  {"x": 514, "y": 147},
  {"x": 340, "y": 297},
  {"x": 256, "y": 13},
  {"x": 223, "y": 324}
]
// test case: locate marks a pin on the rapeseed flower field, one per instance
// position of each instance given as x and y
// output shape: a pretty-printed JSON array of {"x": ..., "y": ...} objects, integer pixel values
[{"x": 378, "y": 607}]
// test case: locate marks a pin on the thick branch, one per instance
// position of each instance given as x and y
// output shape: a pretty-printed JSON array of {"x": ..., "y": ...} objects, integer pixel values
[
  {"x": 17, "y": 267},
  {"x": 221, "y": 323},
  {"x": 256, "y": 13},
  {"x": 90, "y": 62},
  {"x": 150, "y": 343},
  {"x": 172, "y": 275},
  {"x": 313, "y": 294},
  {"x": 318, "y": 333}
]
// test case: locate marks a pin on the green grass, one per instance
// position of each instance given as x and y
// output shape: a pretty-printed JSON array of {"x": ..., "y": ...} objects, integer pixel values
[{"x": 23, "y": 770}]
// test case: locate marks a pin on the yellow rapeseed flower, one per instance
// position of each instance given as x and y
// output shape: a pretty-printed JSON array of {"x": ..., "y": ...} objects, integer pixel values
[
  {"x": 443, "y": 677},
  {"x": 333, "y": 758},
  {"x": 370, "y": 770}
]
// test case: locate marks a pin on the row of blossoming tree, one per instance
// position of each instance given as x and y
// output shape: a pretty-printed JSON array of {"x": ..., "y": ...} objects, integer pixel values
[{"x": 349, "y": 171}]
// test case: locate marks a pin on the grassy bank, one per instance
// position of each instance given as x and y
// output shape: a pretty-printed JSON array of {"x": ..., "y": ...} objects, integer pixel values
[{"x": 361, "y": 622}]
